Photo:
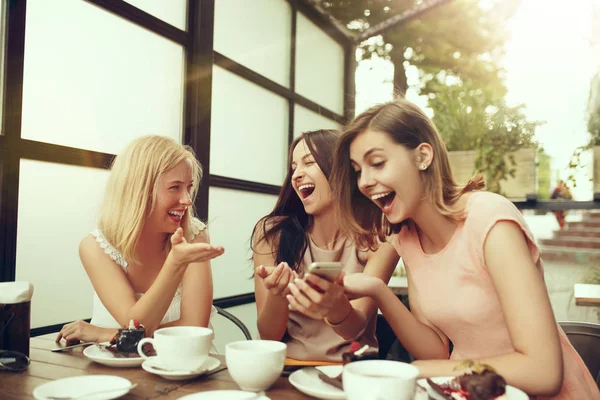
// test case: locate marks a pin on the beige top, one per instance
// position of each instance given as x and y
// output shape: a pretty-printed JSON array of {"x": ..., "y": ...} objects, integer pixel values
[{"x": 310, "y": 339}]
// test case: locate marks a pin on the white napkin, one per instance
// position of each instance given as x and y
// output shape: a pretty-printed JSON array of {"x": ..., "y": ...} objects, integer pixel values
[{"x": 15, "y": 292}]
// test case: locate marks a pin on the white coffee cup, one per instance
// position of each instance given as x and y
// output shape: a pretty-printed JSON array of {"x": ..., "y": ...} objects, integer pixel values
[
  {"x": 255, "y": 364},
  {"x": 379, "y": 379},
  {"x": 180, "y": 347}
]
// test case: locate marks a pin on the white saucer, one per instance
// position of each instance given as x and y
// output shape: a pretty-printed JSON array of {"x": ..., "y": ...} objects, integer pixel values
[
  {"x": 105, "y": 357},
  {"x": 512, "y": 393},
  {"x": 209, "y": 365},
  {"x": 80, "y": 385},
  {"x": 223, "y": 395},
  {"x": 308, "y": 382}
]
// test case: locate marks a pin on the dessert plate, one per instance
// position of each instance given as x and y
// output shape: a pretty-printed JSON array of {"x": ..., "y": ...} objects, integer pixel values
[
  {"x": 76, "y": 386},
  {"x": 512, "y": 393},
  {"x": 151, "y": 365},
  {"x": 101, "y": 355},
  {"x": 224, "y": 395},
  {"x": 308, "y": 382}
]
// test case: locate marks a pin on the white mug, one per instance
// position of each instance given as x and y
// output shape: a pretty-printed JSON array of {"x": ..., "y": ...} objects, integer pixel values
[
  {"x": 180, "y": 347},
  {"x": 255, "y": 364},
  {"x": 379, "y": 379}
]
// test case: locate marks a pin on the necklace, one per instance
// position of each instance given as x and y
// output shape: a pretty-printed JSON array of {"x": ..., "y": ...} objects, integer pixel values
[{"x": 328, "y": 244}]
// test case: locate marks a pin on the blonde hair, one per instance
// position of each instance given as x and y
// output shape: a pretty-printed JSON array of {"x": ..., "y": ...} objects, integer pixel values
[
  {"x": 132, "y": 188},
  {"x": 406, "y": 124}
]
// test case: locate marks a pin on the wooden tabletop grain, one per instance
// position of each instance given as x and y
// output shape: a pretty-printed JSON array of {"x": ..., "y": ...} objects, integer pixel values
[{"x": 47, "y": 366}]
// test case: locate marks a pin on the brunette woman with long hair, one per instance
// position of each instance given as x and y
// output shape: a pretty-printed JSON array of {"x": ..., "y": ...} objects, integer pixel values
[{"x": 311, "y": 314}]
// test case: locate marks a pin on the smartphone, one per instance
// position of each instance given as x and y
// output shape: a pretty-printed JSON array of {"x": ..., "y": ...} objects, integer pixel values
[{"x": 326, "y": 270}]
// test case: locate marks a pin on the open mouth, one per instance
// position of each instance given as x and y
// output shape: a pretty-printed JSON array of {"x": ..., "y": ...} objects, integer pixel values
[
  {"x": 384, "y": 200},
  {"x": 306, "y": 190},
  {"x": 176, "y": 215}
]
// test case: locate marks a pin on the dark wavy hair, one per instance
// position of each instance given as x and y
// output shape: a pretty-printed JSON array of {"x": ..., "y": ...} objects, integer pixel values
[{"x": 286, "y": 228}]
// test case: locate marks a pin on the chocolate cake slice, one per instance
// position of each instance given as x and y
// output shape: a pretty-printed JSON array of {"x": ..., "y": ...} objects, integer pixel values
[
  {"x": 480, "y": 382},
  {"x": 126, "y": 340},
  {"x": 358, "y": 353}
]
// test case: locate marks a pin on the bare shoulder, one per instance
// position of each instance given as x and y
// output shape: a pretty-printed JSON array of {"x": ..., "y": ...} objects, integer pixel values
[
  {"x": 261, "y": 243},
  {"x": 92, "y": 254},
  {"x": 89, "y": 246}
]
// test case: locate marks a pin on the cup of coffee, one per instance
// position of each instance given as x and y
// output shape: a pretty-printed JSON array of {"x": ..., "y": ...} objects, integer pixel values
[
  {"x": 380, "y": 379},
  {"x": 180, "y": 347},
  {"x": 255, "y": 364}
]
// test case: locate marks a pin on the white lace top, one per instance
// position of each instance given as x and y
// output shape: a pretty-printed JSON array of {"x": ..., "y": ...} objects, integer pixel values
[{"x": 102, "y": 317}]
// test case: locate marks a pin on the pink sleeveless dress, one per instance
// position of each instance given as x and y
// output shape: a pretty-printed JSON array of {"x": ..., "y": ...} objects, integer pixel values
[{"x": 457, "y": 295}]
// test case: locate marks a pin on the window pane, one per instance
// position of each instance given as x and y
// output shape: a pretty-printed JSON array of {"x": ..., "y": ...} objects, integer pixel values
[
  {"x": 232, "y": 215},
  {"x": 50, "y": 228},
  {"x": 249, "y": 130},
  {"x": 319, "y": 66},
  {"x": 256, "y": 34},
  {"x": 308, "y": 120},
  {"x": 173, "y": 12},
  {"x": 102, "y": 87}
]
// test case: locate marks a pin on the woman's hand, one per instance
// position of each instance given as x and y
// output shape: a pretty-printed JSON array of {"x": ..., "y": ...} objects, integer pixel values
[
  {"x": 277, "y": 279},
  {"x": 318, "y": 298},
  {"x": 184, "y": 253},
  {"x": 361, "y": 285},
  {"x": 81, "y": 330}
]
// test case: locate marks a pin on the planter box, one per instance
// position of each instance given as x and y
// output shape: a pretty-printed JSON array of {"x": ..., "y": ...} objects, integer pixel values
[
  {"x": 596, "y": 172},
  {"x": 517, "y": 188}
]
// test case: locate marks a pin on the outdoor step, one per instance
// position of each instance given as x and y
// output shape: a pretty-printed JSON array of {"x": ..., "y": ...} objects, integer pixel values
[
  {"x": 575, "y": 242},
  {"x": 569, "y": 254},
  {"x": 578, "y": 232},
  {"x": 591, "y": 217},
  {"x": 584, "y": 224}
]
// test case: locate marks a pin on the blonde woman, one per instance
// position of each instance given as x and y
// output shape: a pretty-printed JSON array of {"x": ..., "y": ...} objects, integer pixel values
[{"x": 149, "y": 259}]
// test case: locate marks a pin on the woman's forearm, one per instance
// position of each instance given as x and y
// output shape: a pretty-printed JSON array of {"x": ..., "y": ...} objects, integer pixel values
[
  {"x": 153, "y": 305},
  {"x": 419, "y": 339},
  {"x": 273, "y": 317},
  {"x": 347, "y": 322},
  {"x": 106, "y": 334}
]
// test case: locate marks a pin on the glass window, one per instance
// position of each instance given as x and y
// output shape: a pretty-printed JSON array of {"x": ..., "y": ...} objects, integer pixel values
[
  {"x": 319, "y": 66},
  {"x": 308, "y": 120},
  {"x": 102, "y": 87},
  {"x": 50, "y": 228},
  {"x": 249, "y": 131},
  {"x": 256, "y": 34},
  {"x": 232, "y": 215},
  {"x": 173, "y": 12}
]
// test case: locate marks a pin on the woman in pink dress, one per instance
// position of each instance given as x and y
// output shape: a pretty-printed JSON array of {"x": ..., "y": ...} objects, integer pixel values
[{"x": 475, "y": 275}]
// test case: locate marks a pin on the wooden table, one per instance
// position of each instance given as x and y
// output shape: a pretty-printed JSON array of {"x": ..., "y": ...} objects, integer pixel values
[
  {"x": 47, "y": 366},
  {"x": 399, "y": 285},
  {"x": 587, "y": 294}
]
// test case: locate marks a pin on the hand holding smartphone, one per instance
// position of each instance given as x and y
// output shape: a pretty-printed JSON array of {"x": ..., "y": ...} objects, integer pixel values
[{"x": 326, "y": 270}]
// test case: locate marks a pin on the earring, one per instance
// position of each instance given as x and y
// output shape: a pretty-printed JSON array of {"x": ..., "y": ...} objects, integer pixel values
[{"x": 423, "y": 167}]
